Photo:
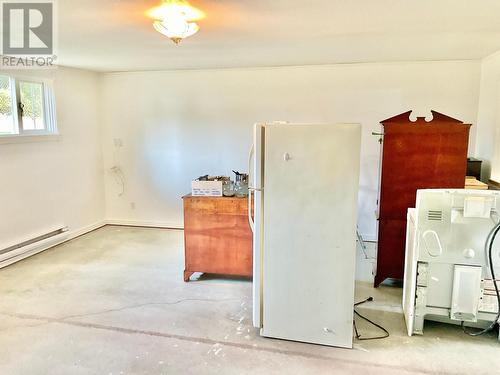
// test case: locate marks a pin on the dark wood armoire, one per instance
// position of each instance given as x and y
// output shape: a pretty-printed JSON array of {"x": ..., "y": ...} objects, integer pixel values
[{"x": 415, "y": 155}]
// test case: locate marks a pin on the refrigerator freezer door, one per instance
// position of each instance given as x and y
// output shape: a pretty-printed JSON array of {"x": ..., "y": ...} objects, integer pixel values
[
  {"x": 310, "y": 210},
  {"x": 256, "y": 191}
]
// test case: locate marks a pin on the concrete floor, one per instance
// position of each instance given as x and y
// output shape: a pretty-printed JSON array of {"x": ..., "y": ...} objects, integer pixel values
[{"x": 113, "y": 302}]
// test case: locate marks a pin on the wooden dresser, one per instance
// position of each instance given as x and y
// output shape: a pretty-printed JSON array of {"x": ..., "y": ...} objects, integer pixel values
[
  {"x": 217, "y": 236},
  {"x": 415, "y": 155}
]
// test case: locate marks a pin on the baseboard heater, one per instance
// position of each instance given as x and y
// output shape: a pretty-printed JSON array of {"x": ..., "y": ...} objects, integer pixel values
[{"x": 32, "y": 246}]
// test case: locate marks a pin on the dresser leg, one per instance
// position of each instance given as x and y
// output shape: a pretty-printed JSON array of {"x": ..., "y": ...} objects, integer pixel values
[
  {"x": 187, "y": 275},
  {"x": 378, "y": 280}
]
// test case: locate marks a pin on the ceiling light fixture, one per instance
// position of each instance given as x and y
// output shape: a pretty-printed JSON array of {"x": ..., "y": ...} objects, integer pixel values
[{"x": 174, "y": 19}]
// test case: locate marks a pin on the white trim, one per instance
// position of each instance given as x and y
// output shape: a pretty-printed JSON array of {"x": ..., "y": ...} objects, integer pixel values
[
  {"x": 27, "y": 77},
  {"x": 30, "y": 250},
  {"x": 20, "y": 138},
  {"x": 148, "y": 224},
  {"x": 16, "y": 103},
  {"x": 490, "y": 57},
  {"x": 177, "y": 70},
  {"x": 13, "y": 103},
  {"x": 85, "y": 230},
  {"x": 50, "y": 107}
]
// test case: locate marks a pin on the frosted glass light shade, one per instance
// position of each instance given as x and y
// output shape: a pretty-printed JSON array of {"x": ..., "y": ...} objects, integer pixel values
[{"x": 176, "y": 30}]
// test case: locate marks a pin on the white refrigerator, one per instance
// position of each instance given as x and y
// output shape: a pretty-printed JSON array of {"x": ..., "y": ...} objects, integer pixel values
[{"x": 304, "y": 189}]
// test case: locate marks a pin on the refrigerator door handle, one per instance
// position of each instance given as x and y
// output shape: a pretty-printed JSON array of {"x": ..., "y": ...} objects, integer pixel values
[
  {"x": 250, "y": 220},
  {"x": 250, "y": 189}
]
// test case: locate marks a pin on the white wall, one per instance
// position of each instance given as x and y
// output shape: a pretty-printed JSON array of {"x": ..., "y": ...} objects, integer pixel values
[
  {"x": 45, "y": 184},
  {"x": 178, "y": 125},
  {"x": 488, "y": 120}
]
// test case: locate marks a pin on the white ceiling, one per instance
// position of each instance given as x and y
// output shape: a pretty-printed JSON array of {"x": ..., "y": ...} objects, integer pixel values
[{"x": 115, "y": 35}]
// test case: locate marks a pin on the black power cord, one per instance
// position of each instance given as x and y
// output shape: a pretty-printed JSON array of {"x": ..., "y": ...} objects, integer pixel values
[
  {"x": 488, "y": 248},
  {"x": 358, "y": 336}
]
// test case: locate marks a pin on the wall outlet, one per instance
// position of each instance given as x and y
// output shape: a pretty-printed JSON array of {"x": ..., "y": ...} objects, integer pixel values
[{"x": 118, "y": 142}]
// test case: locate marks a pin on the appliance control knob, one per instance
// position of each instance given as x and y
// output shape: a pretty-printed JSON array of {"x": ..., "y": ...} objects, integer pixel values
[{"x": 469, "y": 253}]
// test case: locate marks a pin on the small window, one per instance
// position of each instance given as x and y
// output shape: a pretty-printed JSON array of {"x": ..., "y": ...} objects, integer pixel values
[{"x": 26, "y": 107}]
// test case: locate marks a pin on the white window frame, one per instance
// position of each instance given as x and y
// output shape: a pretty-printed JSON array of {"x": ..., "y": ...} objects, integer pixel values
[{"x": 49, "y": 110}]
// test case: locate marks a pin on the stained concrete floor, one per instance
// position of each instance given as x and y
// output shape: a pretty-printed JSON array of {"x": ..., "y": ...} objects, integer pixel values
[{"x": 113, "y": 302}]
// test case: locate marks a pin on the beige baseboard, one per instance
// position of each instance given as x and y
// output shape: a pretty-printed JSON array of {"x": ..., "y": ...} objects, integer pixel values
[
  {"x": 146, "y": 224},
  {"x": 494, "y": 185}
]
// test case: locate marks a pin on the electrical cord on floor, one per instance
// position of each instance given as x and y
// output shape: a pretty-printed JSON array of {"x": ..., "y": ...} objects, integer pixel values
[
  {"x": 358, "y": 336},
  {"x": 488, "y": 247}
]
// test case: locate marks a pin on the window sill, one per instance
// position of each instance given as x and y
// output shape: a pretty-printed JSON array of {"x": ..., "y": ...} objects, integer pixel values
[{"x": 31, "y": 138}]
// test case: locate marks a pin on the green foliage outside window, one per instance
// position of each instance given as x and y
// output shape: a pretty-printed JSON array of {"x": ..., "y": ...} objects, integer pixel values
[
  {"x": 31, "y": 98},
  {"x": 5, "y": 99}
]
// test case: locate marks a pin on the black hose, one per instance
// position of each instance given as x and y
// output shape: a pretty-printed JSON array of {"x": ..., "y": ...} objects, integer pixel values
[
  {"x": 488, "y": 247},
  {"x": 358, "y": 336}
]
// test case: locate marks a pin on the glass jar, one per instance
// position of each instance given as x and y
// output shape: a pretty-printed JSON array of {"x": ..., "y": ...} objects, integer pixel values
[
  {"x": 228, "y": 188},
  {"x": 241, "y": 185}
]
